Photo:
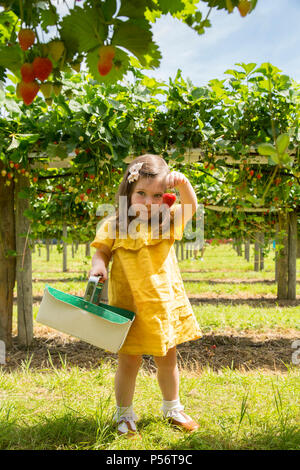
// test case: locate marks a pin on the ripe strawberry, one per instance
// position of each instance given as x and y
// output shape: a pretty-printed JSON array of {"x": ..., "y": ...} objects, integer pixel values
[
  {"x": 169, "y": 198},
  {"x": 106, "y": 54},
  {"x": 244, "y": 7},
  {"x": 28, "y": 91},
  {"x": 26, "y": 38},
  {"x": 27, "y": 72},
  {"x": 104, "y": 67},
  {"x": 42, "y": 67}
]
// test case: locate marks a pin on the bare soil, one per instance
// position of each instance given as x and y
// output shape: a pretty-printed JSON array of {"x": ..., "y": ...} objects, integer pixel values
[{"x": 270, "y": 351}]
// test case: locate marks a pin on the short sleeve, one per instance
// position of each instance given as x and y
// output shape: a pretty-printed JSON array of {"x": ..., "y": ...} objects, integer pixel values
[{"x": 105, "y": 235}]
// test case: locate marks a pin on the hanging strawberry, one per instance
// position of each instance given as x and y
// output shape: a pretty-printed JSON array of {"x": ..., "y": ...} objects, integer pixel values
[
  {"x": 27, "y": 72},
  {"x": 244, "y": 7},
  {"x": 42, "y": 67},
  {"x": 26, "y": 38},
  {"x": 28, "y": 91},
  {"x": 169, "y": 198},
  {"x": 106, "y": 54}
]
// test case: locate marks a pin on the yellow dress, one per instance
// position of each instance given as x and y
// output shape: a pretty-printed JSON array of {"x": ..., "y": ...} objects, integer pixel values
[{"x": 145, "y": 278}]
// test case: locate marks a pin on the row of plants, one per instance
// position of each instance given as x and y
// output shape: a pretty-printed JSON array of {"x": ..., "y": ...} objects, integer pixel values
[{"x": 253, "y": 111}]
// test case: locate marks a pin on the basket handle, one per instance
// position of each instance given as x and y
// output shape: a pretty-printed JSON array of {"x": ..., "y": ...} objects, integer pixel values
[{"x": 93, "y": 289}]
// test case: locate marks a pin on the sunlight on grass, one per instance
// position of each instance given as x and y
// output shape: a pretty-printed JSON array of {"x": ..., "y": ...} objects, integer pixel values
[{"x": 56, "y": 405}]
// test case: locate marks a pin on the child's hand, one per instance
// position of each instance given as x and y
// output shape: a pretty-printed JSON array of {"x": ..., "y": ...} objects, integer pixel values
[
  {"x": 99, "y": 270},
  {"x": 175, "y": 179}
]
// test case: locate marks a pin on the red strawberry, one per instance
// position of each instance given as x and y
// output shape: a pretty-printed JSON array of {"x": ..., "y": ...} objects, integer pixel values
[
  {"x": 27, "y": 72},
  {"x": 26, "y": 38},
  {"x": 42, "y": 67},
  {"x": 169, "y": 198},
  {"x": 28, "y": 91},
  {"x": 106, "y": 54},
  {"x": 104, "y": 67}
]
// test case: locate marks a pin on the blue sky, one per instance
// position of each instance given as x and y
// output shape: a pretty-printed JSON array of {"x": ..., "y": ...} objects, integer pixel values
[{"x": 271, "y": 33}]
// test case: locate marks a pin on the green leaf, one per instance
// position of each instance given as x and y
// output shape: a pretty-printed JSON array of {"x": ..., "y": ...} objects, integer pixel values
[
  {"x": 49, "y": 17},
  {"x": 170, "y": 6},
  {"x": 133, "y": 37},
  {"x": 109, "y": 9},
  {"x": 134, "y": 8},
  {"x": 83, "y": 30},
  {"x": 29, "y": 138},
  {"x": 285, "y": 159},
  {"x": 11, "y": 57},
  {"x": 282, "y": 143},
  {"x": 247, "y": 67},
  {"x": 8, "y": 21},
  {"x": 267, "y": 149},
  {"x": 266, "y": 85}
]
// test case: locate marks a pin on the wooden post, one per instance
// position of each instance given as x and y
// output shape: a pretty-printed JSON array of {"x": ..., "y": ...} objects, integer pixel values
[
  {"x": 7, "y": 258},
  {"x": 275, "y": 253},
  {"x": 182, "y": 249},
  {"x": 65, "y": 248},
  {"x": 292, "y": 254},
  {"x": 239, "y": 246},
  {"x": 48, "y": 249},
  {"x": 261, "y": 251},
  {"x": 282, "y": 282},
  {"x": 87, "y": 249},
  {"x": 24, "y": 266},
  {"x": 247, "y": 249},
  {"x": 256, "y": 251}
]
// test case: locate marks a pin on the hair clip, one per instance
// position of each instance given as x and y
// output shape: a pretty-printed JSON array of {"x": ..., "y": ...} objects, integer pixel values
[{"x": 134, "y": 172}]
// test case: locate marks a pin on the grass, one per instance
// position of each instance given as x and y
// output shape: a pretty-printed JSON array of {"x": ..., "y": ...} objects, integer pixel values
[
  {"x": 55, "y": 404},
  {"x": 73, "y": 408}
]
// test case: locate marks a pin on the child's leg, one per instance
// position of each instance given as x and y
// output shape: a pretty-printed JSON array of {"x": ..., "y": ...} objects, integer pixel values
[
  {"x": 168, "y": 379},
  {"x": 125, "y": 378},
  {"x": 128, "y": 367},
  {"x": 168, "y": 375}
]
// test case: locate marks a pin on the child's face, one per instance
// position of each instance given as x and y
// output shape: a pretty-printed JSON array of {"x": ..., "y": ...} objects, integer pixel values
[{"x": 148, "y": 193}]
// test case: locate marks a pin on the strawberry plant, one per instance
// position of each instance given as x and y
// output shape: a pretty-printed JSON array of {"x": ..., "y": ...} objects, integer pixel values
[{"x": 94, "y": 32}]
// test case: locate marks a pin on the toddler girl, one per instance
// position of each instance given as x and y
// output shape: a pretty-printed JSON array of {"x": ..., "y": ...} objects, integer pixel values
[{"x": 145, "y": 278}]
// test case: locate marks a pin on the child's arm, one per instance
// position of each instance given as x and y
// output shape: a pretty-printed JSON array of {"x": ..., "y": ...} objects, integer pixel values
[
  {"x": 100, "y": 262},
  {"x": 178, "y": 180}
]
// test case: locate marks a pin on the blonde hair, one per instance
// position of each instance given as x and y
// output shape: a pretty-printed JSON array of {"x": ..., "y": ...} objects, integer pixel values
[{"x": 153, "y": 166}]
